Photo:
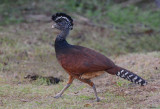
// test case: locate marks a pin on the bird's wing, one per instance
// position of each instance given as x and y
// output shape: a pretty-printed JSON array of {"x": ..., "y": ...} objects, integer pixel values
[{"x": 79, "y": 60}]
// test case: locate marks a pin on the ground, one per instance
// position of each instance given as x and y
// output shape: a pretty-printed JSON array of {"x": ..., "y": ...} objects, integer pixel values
[{"x": 28, "y": 48}]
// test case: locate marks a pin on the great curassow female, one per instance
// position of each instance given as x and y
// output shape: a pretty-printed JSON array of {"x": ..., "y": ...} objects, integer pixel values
[{"x": 83, "y": 63}]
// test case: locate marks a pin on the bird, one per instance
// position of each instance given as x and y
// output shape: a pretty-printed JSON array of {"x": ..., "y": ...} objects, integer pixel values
[{"x": 83, "y": 63}]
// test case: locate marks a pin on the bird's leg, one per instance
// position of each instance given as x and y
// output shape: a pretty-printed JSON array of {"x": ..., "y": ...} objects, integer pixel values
[
  {"x": 89, "y": 82},
  {"x": 95, "y": 92},
  {"x": 68, "y": 84},
  {"x": 62, "y": 91}
]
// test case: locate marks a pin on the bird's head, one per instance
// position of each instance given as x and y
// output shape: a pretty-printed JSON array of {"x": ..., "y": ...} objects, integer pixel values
[{"x": 62, "y": 21}]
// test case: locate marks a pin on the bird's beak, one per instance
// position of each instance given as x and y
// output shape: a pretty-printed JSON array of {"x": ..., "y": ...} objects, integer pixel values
[{"x": 53, "y": 26}]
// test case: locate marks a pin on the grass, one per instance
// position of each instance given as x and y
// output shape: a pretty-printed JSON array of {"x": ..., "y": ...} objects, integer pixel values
[
  {"x": 117, "y": 32},
  {"x": 33, "y": 96},
  {"x": 23, "y": 94},
  {"x": 131, "y": 15},
  {"x": 120, "y": 30},
  {"x": 100, "y": 12},
  {"x": 116, "y": 41}
]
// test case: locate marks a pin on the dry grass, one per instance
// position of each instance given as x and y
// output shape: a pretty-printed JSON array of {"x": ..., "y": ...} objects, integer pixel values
[
  {"x": 113, "y": 91},
  {"x": 25, "y": 48}
]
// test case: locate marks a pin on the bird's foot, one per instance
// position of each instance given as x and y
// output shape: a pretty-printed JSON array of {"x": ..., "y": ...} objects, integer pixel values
[
  {"x": 97, "y": 99},
  {"x": 58, "y": 95}
]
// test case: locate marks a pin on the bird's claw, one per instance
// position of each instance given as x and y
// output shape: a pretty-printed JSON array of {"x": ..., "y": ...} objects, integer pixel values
[
  {"x": 97, "y": 99},
  {"x": 57, "y": 95}
]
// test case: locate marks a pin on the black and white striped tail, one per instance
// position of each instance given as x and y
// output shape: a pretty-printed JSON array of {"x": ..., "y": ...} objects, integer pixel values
[{"x": 125, "y": 74}]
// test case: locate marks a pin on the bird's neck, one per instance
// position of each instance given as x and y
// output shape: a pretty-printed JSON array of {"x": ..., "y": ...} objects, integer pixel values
[
  {"x": 60, "y": 42},
  {"x": 63, "y": 34}
]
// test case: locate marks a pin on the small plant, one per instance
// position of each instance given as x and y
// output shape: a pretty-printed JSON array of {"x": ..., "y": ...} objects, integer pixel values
[
  {"x": 7, "y": 41},
  {"x": 119, "y": 83},
  {"x": 42, "y": 81}
]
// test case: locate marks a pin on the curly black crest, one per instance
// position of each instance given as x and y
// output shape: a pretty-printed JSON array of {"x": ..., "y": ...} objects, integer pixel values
[{"x": 59, "y": 16}]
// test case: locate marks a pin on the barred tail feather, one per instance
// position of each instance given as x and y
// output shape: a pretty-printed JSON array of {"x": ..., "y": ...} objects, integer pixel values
[{"x": 125, "y": 74}]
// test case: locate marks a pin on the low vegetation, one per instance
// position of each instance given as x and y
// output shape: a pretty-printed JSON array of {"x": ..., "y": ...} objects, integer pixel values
[{"x": 129, "y": 35}]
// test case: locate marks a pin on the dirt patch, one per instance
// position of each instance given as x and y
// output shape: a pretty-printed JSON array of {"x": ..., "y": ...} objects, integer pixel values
[{"x": 49, "y": 79}]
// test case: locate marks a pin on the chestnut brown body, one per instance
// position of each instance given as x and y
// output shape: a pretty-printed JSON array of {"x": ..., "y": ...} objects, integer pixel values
[{"x": 80, "y": 61}]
